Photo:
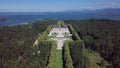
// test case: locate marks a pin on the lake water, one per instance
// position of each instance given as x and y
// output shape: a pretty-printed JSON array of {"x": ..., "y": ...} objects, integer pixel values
[{"x": 24, "y": 17}]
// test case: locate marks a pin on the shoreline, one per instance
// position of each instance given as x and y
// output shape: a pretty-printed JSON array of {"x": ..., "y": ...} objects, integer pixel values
[{"x": 26, "y": 23}]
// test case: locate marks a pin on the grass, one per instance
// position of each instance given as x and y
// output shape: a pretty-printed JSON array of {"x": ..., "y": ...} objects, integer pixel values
[
  {"x": 49, "y": 37},
  {"x": 59, "y": 62},
  {"x": 95, "y": 59}
]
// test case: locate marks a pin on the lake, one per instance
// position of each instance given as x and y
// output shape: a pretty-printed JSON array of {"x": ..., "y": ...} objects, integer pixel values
[{"x": 25, "y": 17}]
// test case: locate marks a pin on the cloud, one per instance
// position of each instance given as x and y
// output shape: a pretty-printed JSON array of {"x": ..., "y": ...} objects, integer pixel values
[
  {"x": 111, "y": 5},
  {"x": 114, "y": 5},
  {"x": 101, "y": 6}
]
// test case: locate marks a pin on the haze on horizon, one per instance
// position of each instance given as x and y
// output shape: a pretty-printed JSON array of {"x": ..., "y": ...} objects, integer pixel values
[{"x": 55, "y": 5}]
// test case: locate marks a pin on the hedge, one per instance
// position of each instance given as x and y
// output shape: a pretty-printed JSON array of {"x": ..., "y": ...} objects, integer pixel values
[
  {"x": 52, "y": 55},
  {"x": 43, "y": 35},
  {"x": 77, "y": 53},
  {"x": 75, "y": 34},
  {"x": 60, "y": 23},
  {"x": 67, "y": 57},
  {"x": 77, "y": 39},
  {"x": 48, "y": 29}
]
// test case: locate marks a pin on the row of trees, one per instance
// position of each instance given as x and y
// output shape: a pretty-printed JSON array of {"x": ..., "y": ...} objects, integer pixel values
[
  {"x": 75, "y": 35},
  {"x": 44, "y": 35},
  {"x": 101, "y": 35},
  {"x": 48, "y": 54},
  {"x": 60, "y": 23},
  {"x": 67, "y": 56},
  {"x": 47, "y": 49},
  {"x": 52, "y": 55},
  {"x": 76, "y": 49},
  {"x": 77, "y": 53}
]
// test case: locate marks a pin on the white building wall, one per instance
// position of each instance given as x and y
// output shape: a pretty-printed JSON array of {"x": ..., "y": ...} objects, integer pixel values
[{"x": 60, "y": 31}]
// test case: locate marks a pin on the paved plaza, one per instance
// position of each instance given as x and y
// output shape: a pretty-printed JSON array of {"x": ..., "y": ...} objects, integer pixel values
[{"x": 60, "y": 35}]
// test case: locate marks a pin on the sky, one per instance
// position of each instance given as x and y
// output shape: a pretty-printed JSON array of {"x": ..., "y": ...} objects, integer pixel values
[{"x": 55, "y": 5}]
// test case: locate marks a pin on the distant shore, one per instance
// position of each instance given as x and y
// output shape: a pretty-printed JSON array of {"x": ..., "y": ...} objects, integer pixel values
[
  {"x": 19, "y": 24},
  {"x": 111, "y": 14},
  {"x": 3, "y": 19}
]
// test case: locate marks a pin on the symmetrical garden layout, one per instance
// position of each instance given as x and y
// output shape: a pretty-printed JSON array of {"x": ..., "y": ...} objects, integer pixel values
[
  {"x": 67, "y": 49},
  {"x": 60, "y": 34},
  {"x": 59, "y": 44}
]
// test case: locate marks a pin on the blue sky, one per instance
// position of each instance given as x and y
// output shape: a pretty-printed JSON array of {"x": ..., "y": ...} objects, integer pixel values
[{"x": 55, "y": 5}]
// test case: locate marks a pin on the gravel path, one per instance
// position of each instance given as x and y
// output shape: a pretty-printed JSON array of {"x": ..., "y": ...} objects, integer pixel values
[{"x": 60, "y": 42}]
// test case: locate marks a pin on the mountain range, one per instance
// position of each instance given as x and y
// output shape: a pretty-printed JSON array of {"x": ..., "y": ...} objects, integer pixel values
[{"x": 105, "y": 11}]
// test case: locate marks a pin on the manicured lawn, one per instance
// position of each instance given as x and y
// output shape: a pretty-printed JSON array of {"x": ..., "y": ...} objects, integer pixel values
[{"x": 59, "y": 62}]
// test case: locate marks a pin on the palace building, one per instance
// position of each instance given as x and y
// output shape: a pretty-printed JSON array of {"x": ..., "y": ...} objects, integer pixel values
[{"x": 60, "y": 31}]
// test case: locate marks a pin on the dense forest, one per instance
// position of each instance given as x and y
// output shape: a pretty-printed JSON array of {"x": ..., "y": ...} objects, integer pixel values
[
  {"x": 102, "y": 36},
  {"x": 16, "y": 45},
  {"x": 90, "y": 36}
]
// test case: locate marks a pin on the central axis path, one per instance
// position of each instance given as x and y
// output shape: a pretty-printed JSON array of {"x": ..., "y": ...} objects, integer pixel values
[
  {"x": 59, "y": 61},
  {"x": 59, "y": 33}
]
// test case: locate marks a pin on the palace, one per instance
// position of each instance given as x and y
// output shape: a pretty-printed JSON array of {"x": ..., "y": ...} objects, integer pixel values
[
  {"x": 60, "y": 31},
  {"x": 60, "y": 34}
]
